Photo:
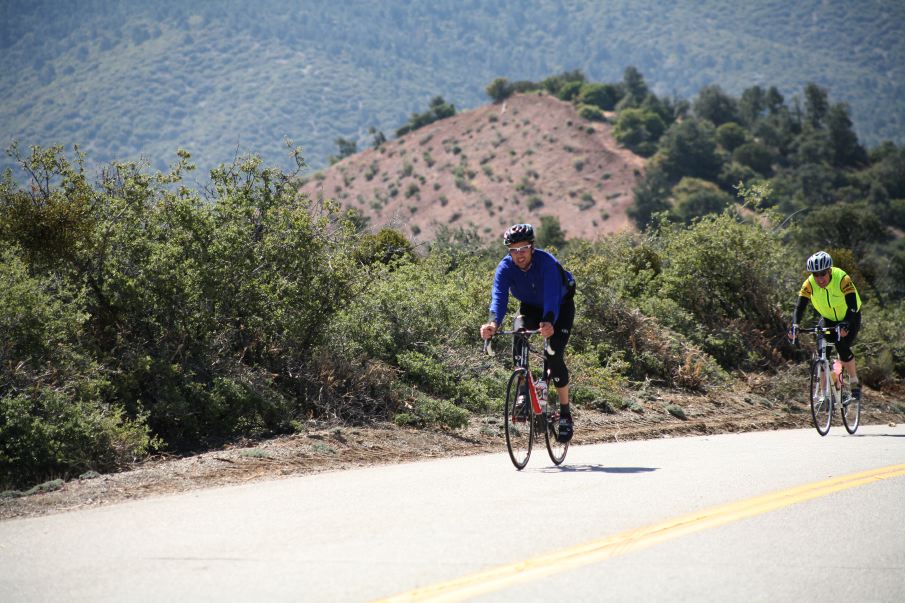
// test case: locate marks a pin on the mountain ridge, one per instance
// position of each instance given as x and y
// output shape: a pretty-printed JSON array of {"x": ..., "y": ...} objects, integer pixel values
[{"x": 125, "y": 80}]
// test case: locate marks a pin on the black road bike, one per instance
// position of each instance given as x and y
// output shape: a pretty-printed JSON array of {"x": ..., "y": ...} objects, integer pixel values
[{"x": 527, "y": 412}]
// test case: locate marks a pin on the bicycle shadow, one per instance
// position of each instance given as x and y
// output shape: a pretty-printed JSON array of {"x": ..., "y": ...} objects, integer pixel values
[{"x": 596, "y": 469}]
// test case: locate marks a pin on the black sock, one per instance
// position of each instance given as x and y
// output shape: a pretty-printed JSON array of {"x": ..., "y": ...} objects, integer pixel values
[{"x": 564, "y": 410}]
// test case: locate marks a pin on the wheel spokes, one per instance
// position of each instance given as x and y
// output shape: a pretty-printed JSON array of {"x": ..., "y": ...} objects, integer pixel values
[
  {"x": 518, "y": 421},
  {"x": 555, "y": 448},
  {"x": 821, "y": 397}
]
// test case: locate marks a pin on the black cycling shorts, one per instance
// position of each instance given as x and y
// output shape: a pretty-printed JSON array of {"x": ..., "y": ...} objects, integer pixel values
[
  {"x": 844, "y": 345},
  {"x": 555, "y": 365}
]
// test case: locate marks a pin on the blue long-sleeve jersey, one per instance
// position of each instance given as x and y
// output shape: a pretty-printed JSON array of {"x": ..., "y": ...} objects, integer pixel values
[{"x": 544, "y": 285}]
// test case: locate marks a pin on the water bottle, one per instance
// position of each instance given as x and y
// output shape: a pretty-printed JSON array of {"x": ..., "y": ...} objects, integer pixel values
[
  {"x": 837, "y": 373},
  {"x": 541, "y": 387}
]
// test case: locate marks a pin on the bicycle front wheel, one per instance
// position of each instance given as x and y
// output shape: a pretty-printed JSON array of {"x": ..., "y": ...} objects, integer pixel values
[
  {"x": 556, "y": 448},
  {"x": 519, "y": 420},
  {"x": 851, "y": 408},
  {"x": 821, "y": 396}
]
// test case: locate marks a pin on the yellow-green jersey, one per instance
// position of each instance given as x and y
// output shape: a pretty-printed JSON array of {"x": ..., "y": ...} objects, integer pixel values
[{"x": 833, "y": 302}]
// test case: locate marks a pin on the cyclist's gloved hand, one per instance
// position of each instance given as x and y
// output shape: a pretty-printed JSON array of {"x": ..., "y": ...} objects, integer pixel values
[
  {"x": 546, "y": 329},
  {"x": 487, "y": 330},
  {"x": 843, "y": 329},
  {"x": 793, "y": 332}
]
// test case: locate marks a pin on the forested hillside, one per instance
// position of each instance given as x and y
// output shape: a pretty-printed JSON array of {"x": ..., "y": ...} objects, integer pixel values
[{"x": 128, "y": 79}]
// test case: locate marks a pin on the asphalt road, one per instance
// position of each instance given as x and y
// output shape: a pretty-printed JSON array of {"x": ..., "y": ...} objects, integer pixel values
[{"x": 771, "y": 516}]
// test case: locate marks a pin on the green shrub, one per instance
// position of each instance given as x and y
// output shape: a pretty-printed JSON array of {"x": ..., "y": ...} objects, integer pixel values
[
  {"x": 878, "y": 369},
  {"x": 49, "y": 434},
  {"x": 880, "y": 346},
  {"x": 437, "y": 377},
  {"x": 600, "y": 96},
  {"x": 387, "y": 246},
  {"x": 590, "y": 113},
  {"x": 535, "y": 202},
  {"x": 203, "y": 310},
  {"x": 676, "y": 411},
  {"x": 598, "y": 377},
  {"x": 420, "y": 369},
  {"x": 725, "y": 282},
  {"x": 55, "y": 418},
  {"x": 477, "y": 395},
  {"x": 428, "y": 411},
  {"x": 755, "y": 155},
  {"x": 694, "y": 198},
  {"x": 731, "y": 135},
  {"x": 419, "y": 306},
  {"x": 639, "y": 130},
  {"x": 627, "y": 339},
  {"x": 499, "y": 90},
  {"x": 568, "y": 91}
]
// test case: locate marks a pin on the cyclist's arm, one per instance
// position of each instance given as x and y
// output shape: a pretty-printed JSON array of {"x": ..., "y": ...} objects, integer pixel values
[
  {"x": 499, "y": 296},
  {"x": 552, "y": 292},
  {"x": 851, "y": 300},
  {"x": 798, "y": 313}
]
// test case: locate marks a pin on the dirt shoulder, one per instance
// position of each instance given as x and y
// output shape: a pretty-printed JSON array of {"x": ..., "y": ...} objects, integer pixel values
[{"x": 335, "y": 448}]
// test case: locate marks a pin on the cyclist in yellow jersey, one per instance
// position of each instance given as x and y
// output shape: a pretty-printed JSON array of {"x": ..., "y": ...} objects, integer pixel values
[{"x": 833, "y": 295}]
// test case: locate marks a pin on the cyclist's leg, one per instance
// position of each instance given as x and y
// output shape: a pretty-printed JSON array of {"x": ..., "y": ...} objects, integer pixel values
[
  {"x": 528, "y": 318},
  {"x": 530, "y": 315},
  {"x": 844, "y": 348},
  {"x": 555, "y": 364}
]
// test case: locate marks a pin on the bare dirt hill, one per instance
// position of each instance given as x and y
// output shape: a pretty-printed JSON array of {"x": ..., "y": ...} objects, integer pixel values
[{"x": 528, "y": 157}]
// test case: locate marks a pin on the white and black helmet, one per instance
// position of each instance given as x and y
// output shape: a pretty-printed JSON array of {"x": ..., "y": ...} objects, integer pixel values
[{"x": 819, "y": 262}]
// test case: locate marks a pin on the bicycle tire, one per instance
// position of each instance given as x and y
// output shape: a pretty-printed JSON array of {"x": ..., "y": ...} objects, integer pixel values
[
  {"x": 555, "y": 448},
  {"x": 821, "y": 396},
  {"x": 519, "y": 422},
  {"x": 850, "y": 408}
]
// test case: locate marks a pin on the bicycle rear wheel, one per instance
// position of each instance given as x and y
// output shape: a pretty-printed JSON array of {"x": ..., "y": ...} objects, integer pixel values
[
  {"x": 556, "y": 448},
  {"x": 851, "y": 408},
  {"x": 519, "y": 420},
  {"x": 821, "y": 396}
]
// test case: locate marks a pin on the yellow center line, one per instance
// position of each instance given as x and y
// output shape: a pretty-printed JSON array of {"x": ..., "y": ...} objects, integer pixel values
[{"x": 503, "y": 576}]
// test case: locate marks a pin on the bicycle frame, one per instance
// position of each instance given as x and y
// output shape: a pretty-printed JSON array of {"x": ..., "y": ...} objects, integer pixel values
[
  {"x": 522, "y": 363},
  {"x": 522, "y": 360}
]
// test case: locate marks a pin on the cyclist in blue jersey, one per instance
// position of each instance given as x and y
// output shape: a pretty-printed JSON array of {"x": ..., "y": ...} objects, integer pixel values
[{"x": 546, "y": 291}]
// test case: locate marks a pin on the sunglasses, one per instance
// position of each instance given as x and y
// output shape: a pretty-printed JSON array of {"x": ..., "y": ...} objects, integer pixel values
[
  {"x": 821, "y": 274},
  {"x": 517, "y": 250}
]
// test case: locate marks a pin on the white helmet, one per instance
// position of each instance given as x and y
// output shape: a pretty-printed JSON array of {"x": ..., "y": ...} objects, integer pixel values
[{"x": 819, "y": 262}]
